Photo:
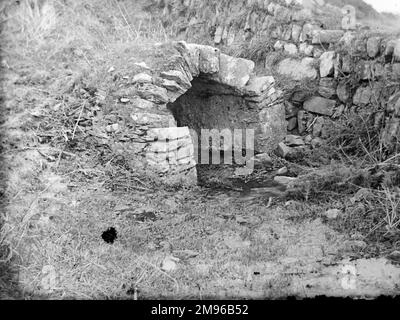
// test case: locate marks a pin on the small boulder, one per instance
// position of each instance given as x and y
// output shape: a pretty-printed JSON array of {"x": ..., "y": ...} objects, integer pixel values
[
  {"x": 327, "y": 61},
  {"x": 373, "y": 46},
  {"x": 169, "y": 264},
  {"x": 327, "y": 36},
  {"x": 306, "y": 49},
  {"x": 286, "y": 181},
  {"x": 258, "y": 85},
  {"x": 363, "y": 96},
  {"x": 332, "y": 214},
  {"x": 112, "y": 128},
  {"x": 235, "y": 72},
  {"x": 294, "y": 141},
  {"x": 317, "y": 53},
  {"x": 320, "y": 105},
  {"x": 347, "y": 64},
  {"x": 343, "y": 92},
  {"x": 278, "y": 46},
  {"x": 282, "y": 14},
  {"x": 292, "y": 124},
  {"x": 298, "y": 69},
  {"x": 262, "y": 160},
  {"x": 282, "y": 171},
  {"x": 308, "y": 31},
  {"x": 283, "y": 150},
  {"x": 389, "y": 49},
  {"x": 327, "y": 87},
  {"x": 290, "y": 48}
]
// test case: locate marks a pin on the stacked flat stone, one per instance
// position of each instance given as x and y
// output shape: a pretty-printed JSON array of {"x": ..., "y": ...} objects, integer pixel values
[{"x": 148, "y": 133}]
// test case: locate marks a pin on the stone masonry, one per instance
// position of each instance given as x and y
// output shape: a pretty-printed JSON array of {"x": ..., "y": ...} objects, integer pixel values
[
  {"x": 349, "y": 70},
  {"x": 145, "y": 132}
]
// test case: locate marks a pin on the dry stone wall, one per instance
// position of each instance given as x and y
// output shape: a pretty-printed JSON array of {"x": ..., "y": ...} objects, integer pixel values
[
  {"x": 350, "y": 72},
  {"x": 230, "y": 22},
  {"x": 335, "y": 71},
  {"x": 311, "y": 74}
]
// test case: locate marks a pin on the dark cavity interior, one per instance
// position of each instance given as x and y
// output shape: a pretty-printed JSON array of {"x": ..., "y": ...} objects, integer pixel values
[{"x": 210, "y": 105}]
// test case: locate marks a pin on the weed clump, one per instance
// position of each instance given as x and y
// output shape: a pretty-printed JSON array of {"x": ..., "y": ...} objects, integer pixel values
[{"x": 357, "y": 162}]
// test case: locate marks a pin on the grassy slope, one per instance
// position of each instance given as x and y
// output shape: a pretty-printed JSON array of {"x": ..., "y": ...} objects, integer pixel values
[
  {"x": 48, "y": 52},
  {"x": 363, "y": 10},
  {"x": 367, "y": 15}
]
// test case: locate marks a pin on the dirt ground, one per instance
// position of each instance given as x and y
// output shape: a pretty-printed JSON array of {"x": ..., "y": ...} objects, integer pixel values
[
  {"x": 183, "y": 244},
  {"x": 73, "y": 229}
]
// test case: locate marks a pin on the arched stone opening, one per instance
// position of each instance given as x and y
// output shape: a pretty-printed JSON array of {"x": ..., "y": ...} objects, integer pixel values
[
  {"x": 198, "y": 88},
  {"x": 220, "y": 119}
]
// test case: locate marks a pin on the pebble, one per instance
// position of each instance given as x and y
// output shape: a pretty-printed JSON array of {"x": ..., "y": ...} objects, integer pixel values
[
  {"x": 284, "y": 180},
  {"x": 332, "y": 214},
  {"x": 169, "y": 264},
  {"x": 282, "y": 171}
]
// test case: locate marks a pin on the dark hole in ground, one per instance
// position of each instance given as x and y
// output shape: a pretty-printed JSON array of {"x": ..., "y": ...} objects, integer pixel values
[{"x": 110, "y": 235}]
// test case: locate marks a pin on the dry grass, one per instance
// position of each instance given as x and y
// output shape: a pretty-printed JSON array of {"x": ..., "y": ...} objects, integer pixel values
[
  {"x": 85, "y": 267},
  {"x": 257, "y": 49},
  {"x": 51, "y": 47},
  {"x": 35, "y": 19},
  {"x": 357, "y": 163},
  {"x": 85, "y": 31}
]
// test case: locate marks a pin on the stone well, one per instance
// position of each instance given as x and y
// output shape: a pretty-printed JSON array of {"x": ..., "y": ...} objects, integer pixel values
[{"x": 192, "y": 87}]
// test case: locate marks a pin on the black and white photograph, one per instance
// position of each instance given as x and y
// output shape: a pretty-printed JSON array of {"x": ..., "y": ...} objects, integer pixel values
[{"x": 199, "y": 150}]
